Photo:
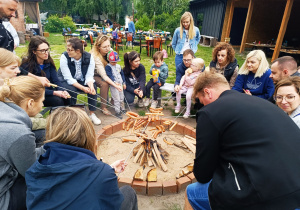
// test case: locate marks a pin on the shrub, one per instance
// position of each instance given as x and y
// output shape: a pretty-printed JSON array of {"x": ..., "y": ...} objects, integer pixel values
[
  {"x": 56, "y": 24},
  {"x": 143, "y": 23}
]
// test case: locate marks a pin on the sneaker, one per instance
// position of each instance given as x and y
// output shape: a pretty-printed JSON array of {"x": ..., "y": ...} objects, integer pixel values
[
  {"x": 123, "y": 111},
  {"x": 95, "y": 119},
  {"x": 141, "y": 102},
  {"x": 119, "y": 115},
  {"x": 154, "y": 104},
  {"x": 147, "y": 102},
  {"x": 177, "y": 109},
  {"x": 186, "y": 115}
]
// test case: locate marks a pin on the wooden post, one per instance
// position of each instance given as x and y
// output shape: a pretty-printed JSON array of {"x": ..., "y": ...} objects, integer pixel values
[
  {"x": 39, "y": 19},
  {"x": 282, "y": 30},
  {"x": 247, "y": 25},
  {"x": 230, "y": 19}
]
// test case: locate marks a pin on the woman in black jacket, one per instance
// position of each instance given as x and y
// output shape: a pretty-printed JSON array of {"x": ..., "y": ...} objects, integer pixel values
[
  {"x": 39, "y": 62},
  {"x": 135, "y": 77}
]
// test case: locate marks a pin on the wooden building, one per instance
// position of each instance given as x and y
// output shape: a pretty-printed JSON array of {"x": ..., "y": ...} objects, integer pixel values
[
  {"x": 247, "y": 21},
  {"x": 30, "y": 8}
]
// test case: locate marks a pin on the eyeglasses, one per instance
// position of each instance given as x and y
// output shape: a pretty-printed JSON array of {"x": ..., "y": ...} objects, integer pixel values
[
  {"x": 44, "y": 50},
  {"x": 187, "y": 60},
  {"x": 288, "y": 98}
]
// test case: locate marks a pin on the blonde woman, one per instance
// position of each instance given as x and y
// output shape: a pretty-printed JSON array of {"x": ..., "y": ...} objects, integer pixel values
[
  {"x": 20, "y": 98},
  {"x": 254, "y": 76},
  {"x": 99, "y": 52},
  {"x": 9, "y": 64},
  {"x": 187, "y": 36},
  {"x": 78, "y": 179}
]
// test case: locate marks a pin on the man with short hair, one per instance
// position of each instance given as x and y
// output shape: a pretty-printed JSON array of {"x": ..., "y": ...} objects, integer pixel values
[
  {"x": 283, "y": 67},
  {"x": 7, "y": 10},
  {"x": 247, "y": 151},
  {"x": 108, "y": 23},
  {"x": 188, "y": 55}
]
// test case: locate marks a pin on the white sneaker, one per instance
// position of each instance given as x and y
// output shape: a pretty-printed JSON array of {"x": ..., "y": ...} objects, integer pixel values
[
  {"x": 154, "y": 104},
  {"x": 147, "y": 102},
  {"x": 186, "y": 115},
  {"x": 177, "y": 109},
  {"x": 140, "y": 103},
  {"x": 95, "y": 119}
]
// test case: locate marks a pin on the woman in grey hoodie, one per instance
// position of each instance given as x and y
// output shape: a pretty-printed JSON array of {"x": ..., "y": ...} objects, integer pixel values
[{"x": 20, "y": 98}]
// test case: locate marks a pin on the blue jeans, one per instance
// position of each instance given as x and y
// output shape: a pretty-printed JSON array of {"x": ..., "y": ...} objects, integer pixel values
[
  {"x": 197, "y": 194},
  {"x": 178, "y": 59},
  {"x": 129, "y": 96}
]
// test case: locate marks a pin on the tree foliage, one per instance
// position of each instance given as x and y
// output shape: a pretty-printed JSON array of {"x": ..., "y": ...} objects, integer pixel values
[{"x": 56, "y": 24}]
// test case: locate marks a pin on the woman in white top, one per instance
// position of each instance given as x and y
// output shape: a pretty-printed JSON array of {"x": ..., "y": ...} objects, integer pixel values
[{"x": 77, "y": 74}]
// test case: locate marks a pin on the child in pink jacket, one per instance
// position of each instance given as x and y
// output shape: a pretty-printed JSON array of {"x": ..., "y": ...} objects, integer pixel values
[{"x": 187, "y": 85}]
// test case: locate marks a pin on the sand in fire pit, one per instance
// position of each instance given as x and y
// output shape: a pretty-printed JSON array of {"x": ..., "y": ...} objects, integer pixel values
[{"x": 112, "y": 149}]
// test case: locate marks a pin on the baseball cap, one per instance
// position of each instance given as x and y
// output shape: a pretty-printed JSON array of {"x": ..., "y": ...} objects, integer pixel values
[{"x": 113, "y": 56}]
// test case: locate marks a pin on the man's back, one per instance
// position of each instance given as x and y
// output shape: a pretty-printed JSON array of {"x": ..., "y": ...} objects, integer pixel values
[{"x": 250, "y": 150}]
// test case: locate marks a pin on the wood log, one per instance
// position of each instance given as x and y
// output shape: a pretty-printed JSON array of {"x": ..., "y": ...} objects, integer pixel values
[
  {"x": 143, "y": 157},
  {"x": 149, "y": 160},
  {"x": 193, "y": 140},
  {"x": 135, "y": 160},
  {"x": 139, "y": 174},
  {"x": 136, "y": 149},
  {"x": 155, "y": 158},
  {"x": 152, "y": 175},
  {"x": 161, "y": 162},
  {"x": 189, "y": 145}
]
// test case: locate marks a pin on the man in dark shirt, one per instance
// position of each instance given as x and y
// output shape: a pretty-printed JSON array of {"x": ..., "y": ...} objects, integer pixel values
[
  {"x": 247, "y": 151},
  {"x": 7, "y": 10},
  {"x": 108, "y": 23}
]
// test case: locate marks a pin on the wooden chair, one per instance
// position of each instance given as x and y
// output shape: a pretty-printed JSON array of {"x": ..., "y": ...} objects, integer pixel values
[
  {"x": 129, "y": 39},
  {"x": 171, "y": 48},
  {"x": 92, "y": 40},
  {"x": 156, "y": 45},
  {"x": 143, "y": 43},
  {"x": 119, "y": 44}
]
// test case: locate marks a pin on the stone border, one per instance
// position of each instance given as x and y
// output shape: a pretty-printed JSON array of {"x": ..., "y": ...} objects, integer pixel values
[{"x": 152, "y": 188}]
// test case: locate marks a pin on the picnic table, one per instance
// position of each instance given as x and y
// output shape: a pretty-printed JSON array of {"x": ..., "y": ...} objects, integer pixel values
[{"x": 289, "y": 51}]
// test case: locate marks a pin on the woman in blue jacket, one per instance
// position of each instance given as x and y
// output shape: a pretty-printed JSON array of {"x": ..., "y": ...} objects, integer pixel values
[
  {"x": 187, "y": 36},
  {"x": 69, "y": 174},
  {"x": 39, "y": 62},
  {"x": 254, "y": 76}
]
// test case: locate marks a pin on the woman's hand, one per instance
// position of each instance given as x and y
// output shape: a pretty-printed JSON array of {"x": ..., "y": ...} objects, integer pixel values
[
  {"x": 247, "y": 92},
  {"x": 119, "y": 165},
  {"x": 118, "y": 86},
  {"x": 141, "y": 94},
  {"x": 91, "y": 87},
  {"x": 124, "y": 87},
  {"x": 136, "y": 91},
  {"x": 86, "y": 89},
  {"x": 62, "y": 94},
  {"x": 177, "y": 88}
]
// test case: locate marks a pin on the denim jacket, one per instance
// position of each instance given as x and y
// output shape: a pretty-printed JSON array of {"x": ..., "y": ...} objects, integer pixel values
[{"x": 177, "y": 43}]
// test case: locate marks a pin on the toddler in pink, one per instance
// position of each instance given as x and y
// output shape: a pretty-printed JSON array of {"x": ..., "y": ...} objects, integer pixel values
[{"x": 187, "y": 85}]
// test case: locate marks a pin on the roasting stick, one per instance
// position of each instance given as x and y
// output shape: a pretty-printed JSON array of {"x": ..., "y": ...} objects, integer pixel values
[{"x": 134, "y": 145}]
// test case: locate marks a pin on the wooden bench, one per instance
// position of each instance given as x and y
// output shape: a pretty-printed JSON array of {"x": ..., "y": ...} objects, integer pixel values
[{"x": 208, "y": 41}]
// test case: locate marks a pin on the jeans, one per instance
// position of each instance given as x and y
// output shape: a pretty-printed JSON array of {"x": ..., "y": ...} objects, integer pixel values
[
  {"x": 178, "y": 59},
  {"x": 155, "y": 87},
  {"x": 18, "y": 195},
  {"x": 51, "y": 101},
  {"x": 197, "y": 194},
  {"x": 130, "y": 199},
  {"x": 92, "y": 99},
  {"x": 129, "y": 96}
]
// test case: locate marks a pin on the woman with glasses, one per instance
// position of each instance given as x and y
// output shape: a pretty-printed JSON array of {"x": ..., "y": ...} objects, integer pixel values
[
  {"x": 224, "y": 62},
  {"x": 187, "y": 36},
  {"x": 287, "y": 97},
  {"x": 76, "y": 74},
  {"x": 39, "y": 62},
  {"x": 254, "y": 76},
  {"x": 99, "y": 53}
]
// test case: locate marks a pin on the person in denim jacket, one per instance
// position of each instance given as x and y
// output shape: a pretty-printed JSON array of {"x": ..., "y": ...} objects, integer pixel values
[{"x": 187, "y": 36}]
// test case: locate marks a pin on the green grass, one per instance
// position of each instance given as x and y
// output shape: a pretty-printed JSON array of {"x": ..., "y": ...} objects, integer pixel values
[{"x": 58, "y": 46}]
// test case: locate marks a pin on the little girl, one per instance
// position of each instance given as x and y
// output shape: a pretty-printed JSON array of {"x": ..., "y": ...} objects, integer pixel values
[{"x": 187, "y": 85}]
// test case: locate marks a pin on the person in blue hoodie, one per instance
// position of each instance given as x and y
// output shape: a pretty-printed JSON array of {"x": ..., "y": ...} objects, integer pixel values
[
  {"x": 69, "y": 174},
  {"x": 254, "y": 76}
]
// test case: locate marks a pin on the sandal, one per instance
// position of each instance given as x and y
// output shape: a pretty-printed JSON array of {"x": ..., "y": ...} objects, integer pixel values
[{"x": 106, "y": 111}]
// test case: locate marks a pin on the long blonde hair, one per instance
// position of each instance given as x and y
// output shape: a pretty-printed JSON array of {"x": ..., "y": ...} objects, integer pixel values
[
  {"x": 71, "y": 126},
  {"x": 263, "y": 65},
  {"x": 95, "y": 50},
  {"x": 192, "y": 31},
  {"x": 20, "y": 89},
  {"x": 7, "y": 58}
]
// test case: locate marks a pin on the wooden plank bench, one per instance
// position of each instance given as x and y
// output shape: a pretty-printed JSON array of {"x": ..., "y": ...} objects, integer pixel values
[{"x": 208, "y": 41}]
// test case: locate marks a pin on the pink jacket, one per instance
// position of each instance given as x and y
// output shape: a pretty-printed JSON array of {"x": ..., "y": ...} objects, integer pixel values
[{"x": 189, "y": 81}]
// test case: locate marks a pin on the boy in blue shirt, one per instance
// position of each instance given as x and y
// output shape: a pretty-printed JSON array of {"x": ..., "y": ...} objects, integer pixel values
[{"x": 163, "y": 70}]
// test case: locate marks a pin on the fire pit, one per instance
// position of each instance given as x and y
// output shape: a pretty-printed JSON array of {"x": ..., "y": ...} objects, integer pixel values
[{"x": 162, "y": 151}]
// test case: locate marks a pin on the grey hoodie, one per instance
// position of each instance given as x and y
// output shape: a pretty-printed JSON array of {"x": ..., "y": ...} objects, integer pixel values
[{"x": 17, "y": 147}]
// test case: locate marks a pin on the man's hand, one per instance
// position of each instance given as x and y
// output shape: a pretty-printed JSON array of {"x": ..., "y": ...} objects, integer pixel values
[
  {"x": 177, "y": 88},
  {"x": 91, "y": 87},
  {"x": 44, "y": 81}
]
